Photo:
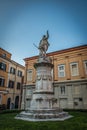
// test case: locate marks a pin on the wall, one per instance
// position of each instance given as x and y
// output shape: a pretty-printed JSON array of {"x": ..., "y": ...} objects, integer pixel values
[{"x": 71, "y": 84}]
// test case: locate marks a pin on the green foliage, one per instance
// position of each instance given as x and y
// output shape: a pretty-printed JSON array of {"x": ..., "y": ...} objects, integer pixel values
[{"x": 77, "y": 122}]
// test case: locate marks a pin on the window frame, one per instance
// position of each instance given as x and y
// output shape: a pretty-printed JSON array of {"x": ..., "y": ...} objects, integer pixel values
[
  {"x": 18, "y": 86},
  {"x": 30, "y": 75},
  {"x": 4, "y": 55},
  {"x": 11, "y": 84},
  {"x": 12, "y": 70},
  {"x": 71, "y": 64},
  {"x": 62, "y": 89},
  {"x": 85, "y": 63},
  {"x": 3, "y": 66},
  {"x": 61, "y": 71},
  {"x": 19, "y": 73},
  {"x": 3, "y": 82}
]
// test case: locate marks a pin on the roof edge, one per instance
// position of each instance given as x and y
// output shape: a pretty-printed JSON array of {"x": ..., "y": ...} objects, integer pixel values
[{"x": 58, "y": 52}]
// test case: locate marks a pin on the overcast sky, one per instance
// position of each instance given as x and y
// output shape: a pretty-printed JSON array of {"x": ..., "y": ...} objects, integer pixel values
[{"x": 24, "y": 22}]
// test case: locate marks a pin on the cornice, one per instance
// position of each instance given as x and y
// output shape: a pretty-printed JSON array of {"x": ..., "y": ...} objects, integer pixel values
[{"x": 59, "y": 52}]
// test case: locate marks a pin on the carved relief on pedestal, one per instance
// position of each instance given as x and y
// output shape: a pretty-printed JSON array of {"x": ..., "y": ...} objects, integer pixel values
[
  {"x": 38, "y": 78},
  {"x": 49, "y": 77},
  {"x": 43, "y": 82},
  {"x": 39, "y": 85},
  {"x": 44, "y": 77}
]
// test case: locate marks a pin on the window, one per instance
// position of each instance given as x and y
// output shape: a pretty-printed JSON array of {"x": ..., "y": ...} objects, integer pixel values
[
  {"x": 11, "y": 84},
  {"x": 61, "y": 70},
  {"x": 18, "y": 85},
  {"x": 2, "y": 82},
  {"x": 85, "y": 66},
  {"x": 29, "y": 74},
  {"x": 80, "y": 99},
  {"x": 12, "y": 70},
  {"x": 76, "y": 89},
  {"x": 4, "y": 55},
  {"x": 62, "y": 89},
  {"x": 19, "y": 73},
  {"x": 2, "y": 66},
  {"x": 74, "y": 69}
]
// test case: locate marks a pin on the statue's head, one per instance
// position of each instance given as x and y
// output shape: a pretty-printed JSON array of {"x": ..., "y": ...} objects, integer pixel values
[{"x": 44, "y": 36}]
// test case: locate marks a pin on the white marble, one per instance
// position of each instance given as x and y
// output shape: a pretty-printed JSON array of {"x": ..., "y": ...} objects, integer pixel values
[{"x": 43, "y": 106}]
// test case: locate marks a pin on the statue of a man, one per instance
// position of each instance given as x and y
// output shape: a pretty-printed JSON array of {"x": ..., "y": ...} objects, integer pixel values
[{"x": 43, "y": 45}]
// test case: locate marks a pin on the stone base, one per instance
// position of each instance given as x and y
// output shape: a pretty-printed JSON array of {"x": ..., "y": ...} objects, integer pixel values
[{"x": 43, "y": 115}]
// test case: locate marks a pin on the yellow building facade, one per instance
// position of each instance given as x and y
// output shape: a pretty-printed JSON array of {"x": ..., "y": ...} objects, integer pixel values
[
  {"x": 69, "y": 78},
  {"x": 11, "y": 80}
]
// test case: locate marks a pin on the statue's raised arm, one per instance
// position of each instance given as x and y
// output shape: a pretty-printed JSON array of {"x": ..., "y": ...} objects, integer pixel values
[{"x": 47, "y": 34}]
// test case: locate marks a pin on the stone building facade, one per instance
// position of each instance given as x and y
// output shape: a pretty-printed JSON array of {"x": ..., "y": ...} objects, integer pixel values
[
  {"x": 11, "y": 81},
  {"x": 69, "y": 78}
]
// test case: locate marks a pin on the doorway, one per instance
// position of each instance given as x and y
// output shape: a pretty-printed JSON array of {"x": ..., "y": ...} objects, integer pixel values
[{"x": 8, "y": 103}]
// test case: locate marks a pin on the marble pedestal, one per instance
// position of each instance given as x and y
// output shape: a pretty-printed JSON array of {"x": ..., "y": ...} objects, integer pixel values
[
  {"x": 43, "y": 94},
  {"x": 42, "y": 106}
]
